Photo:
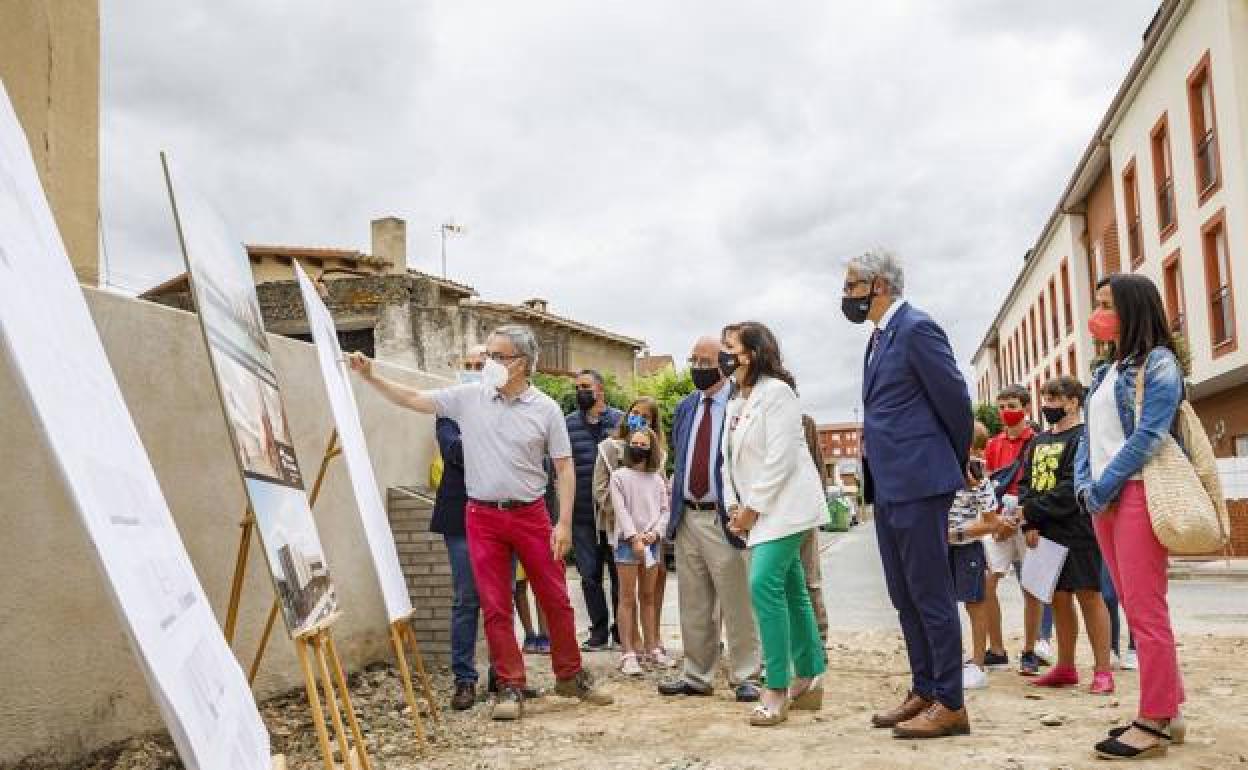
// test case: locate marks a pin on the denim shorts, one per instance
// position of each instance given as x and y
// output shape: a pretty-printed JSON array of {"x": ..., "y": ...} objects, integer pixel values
[
  {"x": 968, "y": 564},
  {"x": 624, "y": 553}
]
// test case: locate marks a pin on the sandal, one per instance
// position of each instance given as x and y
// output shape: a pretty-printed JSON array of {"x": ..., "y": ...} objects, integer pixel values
[
  {"x": 763, "y": 716},
  {"x": 1113, "y": 748},
  {"x": 810, "y": 698},
  {"x": 1177, "y": 727}
]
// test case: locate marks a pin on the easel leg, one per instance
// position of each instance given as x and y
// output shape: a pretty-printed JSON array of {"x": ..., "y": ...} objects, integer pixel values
[
  {"x": 396, "y": 639},
  {"x": 360, "y": 747},
  {"x": 424, "y": 675},
  {"x": 264, "y": 641},
  {"x": 331, "y": 701},
  {"x": 314, "y": 703},
  {"x": 240, "y": 571}
]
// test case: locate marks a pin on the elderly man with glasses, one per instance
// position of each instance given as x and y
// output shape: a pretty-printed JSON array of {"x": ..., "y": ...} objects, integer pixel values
[
  {"x": 917, "y": 427},
  {"x": 710, "y": 560},
  {"x": 509, "y": 427}
]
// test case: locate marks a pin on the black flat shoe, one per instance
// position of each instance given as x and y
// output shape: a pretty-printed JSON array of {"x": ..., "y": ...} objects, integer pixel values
[
  {"x": 747, "y": 692},
  {"x": 1112, "y": 748},
  {"x": 680, "y": 687}
]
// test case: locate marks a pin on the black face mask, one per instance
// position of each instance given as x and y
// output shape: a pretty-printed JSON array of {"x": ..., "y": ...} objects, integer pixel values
[
  {"x": 705, "y": 379},
  {"x": 1054, "y": 414},
  {"x": 857, "y": 308},
  {"x": 976, "y": 468},
  {"x": 727, "y": 362},
  {"x": 585, "y": 399},
  {"x": 637, "y": 455}
]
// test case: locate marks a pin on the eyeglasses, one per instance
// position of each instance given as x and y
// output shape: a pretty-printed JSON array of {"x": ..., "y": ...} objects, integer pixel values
[
  {"x": 702, "y": 363},
  {"x": 501, "y": 357},
  {"x": 473, "y": 366},
  {"x": 849, "y": 285}
]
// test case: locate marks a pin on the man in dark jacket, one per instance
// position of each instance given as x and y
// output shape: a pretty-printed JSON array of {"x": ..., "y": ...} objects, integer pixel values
[
  {"x": 917, "y": 440},
  {"x": 588, "y": 425},
  {"x": 448, "y": 521}
]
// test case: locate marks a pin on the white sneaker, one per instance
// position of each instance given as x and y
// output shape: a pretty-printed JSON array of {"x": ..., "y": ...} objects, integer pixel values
[
  {"x": 973, "y": 677},
  {"x": 1045, "y": 652},
  {"x": 1130, "y": 662},
  {"x": 660, "y": 658},
  {"x": 629, "y": 665}
]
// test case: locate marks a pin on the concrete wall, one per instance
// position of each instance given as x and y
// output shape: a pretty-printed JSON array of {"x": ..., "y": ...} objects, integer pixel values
[
  {"x": 70, "y": 680},
  {"x": 50, "y": 65}
]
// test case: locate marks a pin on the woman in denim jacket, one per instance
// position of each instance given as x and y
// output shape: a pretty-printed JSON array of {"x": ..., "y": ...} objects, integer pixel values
[{"x": 1129, "y": 315}]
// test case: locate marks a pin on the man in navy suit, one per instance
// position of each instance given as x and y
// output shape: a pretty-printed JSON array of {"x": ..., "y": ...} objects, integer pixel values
[
  {"x": 710, "y": 561},
  {"x": 916, "y": 442}
]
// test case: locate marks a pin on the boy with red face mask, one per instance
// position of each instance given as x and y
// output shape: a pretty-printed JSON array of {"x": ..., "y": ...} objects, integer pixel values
[{"x": 1003, "y": 459}]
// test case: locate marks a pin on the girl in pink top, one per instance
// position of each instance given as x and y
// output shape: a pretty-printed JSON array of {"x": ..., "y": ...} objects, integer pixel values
[{"x": 639, "y": 498}]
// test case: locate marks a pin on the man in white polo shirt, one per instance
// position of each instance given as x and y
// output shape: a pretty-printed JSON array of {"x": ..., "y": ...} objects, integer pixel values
[{"x": 507, "y": 428}]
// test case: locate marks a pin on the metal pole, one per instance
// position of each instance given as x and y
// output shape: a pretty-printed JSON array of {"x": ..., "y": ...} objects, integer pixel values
[{"x": 443, "y": 230}]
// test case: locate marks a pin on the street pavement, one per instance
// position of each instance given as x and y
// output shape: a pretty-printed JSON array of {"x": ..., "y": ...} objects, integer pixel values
[{"x": 853, "y": 590}]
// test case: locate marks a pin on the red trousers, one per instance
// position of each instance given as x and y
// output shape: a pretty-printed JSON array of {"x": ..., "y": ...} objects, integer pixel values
[
  {"x": 494, "y": 535},
  {"x": 1138, "y": 564}
]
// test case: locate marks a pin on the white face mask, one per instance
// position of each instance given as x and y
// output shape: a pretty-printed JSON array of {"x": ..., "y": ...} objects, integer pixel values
[
  {"x": 469, "y": 376},
  {"x": 494, "y": 374}
]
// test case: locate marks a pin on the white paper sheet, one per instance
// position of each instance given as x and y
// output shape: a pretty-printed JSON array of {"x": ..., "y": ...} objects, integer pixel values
[
  {"x": 48, "y": 336},
  {"x": 225, "y": 296},
  {"x": 1042, "y": 566},
  {"x": 355, "y": 449}
]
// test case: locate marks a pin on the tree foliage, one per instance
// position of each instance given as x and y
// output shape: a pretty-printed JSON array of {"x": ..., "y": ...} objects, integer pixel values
[
  {"x": 988, "y": 414},
  {"x": 667, "y": 387}
]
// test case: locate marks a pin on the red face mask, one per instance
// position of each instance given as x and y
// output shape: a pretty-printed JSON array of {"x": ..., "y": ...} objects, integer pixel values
[
  {"x": 1012, "y": 417},
  {"x": 1104, "y": 325}
]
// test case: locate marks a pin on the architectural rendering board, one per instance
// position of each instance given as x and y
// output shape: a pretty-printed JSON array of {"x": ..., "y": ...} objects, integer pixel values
[
  {"x": 51, "y": 341},
  {"x": 355, "y": 450},
  {"x": 225, "y": 297}
]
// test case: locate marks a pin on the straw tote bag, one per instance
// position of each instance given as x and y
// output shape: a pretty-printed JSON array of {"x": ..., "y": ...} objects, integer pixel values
[{"x": 1185, "y": 502}]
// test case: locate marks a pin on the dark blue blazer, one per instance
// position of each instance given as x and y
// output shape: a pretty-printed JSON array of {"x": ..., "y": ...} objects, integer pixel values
[
  {"x": 682, "y": 432},
  {"x": 918, "y": 423},
  {"x": 449, "y": 504}
]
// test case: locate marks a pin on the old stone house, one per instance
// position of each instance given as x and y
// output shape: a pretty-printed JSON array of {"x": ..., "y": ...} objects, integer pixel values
[{"x": 407, "y": 317}]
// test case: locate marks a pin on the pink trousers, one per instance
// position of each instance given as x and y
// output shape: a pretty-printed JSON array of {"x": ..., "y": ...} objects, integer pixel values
[{"x": 1138, "y": 564}]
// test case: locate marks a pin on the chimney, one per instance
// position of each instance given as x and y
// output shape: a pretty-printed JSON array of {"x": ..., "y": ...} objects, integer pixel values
[
  {"x": 540, "y": 305},
  {"x": 390, "y": 243}
]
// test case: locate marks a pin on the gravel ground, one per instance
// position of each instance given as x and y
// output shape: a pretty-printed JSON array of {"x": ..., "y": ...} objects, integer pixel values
[{"x": 1010, "y": 722}]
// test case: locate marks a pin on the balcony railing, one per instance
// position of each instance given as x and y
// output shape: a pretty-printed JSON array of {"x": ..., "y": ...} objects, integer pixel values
[
  {"x": 1207, "y": 162},
  {"x": 1134, "y": 247},
  {"x": 1165, "y": 204},
  {"x": 1223, "y": 330}
]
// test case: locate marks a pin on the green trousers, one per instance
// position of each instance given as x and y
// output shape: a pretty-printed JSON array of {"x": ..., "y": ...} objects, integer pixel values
[{"x": 786, "y": 620}]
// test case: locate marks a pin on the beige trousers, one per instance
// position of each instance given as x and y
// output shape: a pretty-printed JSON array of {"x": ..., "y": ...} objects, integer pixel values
[
  {"x": 713, "y": 580},
  {"x": 814, "y": 581}
]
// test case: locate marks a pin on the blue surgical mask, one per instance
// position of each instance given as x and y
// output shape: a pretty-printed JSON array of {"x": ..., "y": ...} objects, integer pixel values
[
  {"x": 469, "y": 377},
  {"x": 637, "y": 422}
]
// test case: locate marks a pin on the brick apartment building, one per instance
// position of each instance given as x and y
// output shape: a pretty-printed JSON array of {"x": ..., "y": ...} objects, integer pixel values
[
  {"x": 1161, "y": 190},
  {"x": 840, "y": 443}
]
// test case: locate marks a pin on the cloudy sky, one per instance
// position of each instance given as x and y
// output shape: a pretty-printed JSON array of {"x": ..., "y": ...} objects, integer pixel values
[{"x": 651, "y": 167}]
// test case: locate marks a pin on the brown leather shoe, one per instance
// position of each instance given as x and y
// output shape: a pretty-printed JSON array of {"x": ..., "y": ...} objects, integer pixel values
[
  {"x": 936, "y": 722},
  {"x": 910, "y": 708}
]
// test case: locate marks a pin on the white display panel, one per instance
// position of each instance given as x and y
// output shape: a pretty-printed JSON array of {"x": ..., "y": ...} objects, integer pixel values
[
  {"x": 354, "y": 448},
  {"x": 48, "y": 336},
  {"x": 229, "y": 312}
]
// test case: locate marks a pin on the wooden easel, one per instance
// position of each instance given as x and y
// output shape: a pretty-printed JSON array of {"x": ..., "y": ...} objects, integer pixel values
[
  {"x": 401, "y": 634},
  {"x": 318, "y": 645},
  {"x": 400, "y": 630}
]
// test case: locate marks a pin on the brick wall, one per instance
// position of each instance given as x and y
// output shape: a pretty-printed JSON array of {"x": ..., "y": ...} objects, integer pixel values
[{"x": 422, "y": 556}]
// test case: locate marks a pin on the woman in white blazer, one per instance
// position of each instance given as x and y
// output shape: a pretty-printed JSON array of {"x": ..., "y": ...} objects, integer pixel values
[{"x": 774, "y": 496}]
